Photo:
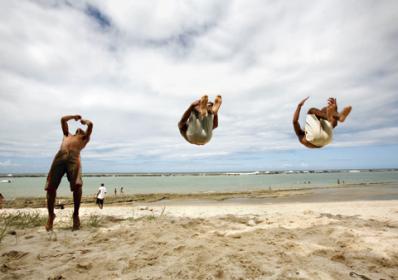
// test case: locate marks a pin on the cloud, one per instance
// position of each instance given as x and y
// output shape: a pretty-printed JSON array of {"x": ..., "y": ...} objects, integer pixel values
[
  {"x": 133, "y": 67},
  {"x": 7, "y": 163}
]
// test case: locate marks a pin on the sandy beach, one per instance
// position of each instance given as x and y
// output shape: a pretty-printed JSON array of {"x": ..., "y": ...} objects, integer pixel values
[{"x": 322, "y": 240}]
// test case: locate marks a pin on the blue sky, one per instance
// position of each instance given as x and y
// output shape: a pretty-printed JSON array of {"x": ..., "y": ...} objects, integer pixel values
[{"x": 133, "y": 67}]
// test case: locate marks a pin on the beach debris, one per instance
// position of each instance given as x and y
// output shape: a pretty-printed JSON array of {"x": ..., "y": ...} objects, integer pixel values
[
  {"x": 220, "y": 234},
  {"x": 162, "y": 212},
  {"x": 363, "y": 277},
  {"x": 85, "y": 265},
  {"x": 5, "y": 268},
  {"x": 233, "y": 235},
  {"x": 14, "y": 233},
  {"x": 57, "y": 277},
  {"x": 143, "y": 208}
]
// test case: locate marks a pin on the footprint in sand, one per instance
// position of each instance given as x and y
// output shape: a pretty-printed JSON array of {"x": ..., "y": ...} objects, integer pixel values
[{"x": 15, "y": 255}]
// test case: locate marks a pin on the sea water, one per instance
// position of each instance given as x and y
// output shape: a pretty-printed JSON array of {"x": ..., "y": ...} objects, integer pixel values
[{"x": 194, "y": 183}]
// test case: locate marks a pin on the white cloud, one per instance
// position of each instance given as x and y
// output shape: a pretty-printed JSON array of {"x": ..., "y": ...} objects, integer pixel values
[{"x": 7, "y": 163}]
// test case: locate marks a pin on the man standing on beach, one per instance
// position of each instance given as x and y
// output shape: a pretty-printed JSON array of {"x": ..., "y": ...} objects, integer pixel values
[
  {"x": 319, "y": 125},
  {"x": 101, "y": 196},
  {"x": 67, "y": 160},
  {"x": 199, "y": 120}
]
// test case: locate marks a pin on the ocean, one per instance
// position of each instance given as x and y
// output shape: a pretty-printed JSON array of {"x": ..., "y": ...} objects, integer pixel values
[{"x": 193, "y": 183}]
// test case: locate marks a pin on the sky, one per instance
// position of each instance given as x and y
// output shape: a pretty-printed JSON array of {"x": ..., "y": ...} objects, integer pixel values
[{"x": 133, "y": 67}]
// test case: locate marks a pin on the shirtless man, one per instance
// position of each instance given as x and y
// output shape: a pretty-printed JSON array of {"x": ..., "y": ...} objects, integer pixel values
[
  {"x": 319, "y": 125},
  {"x": 67, "y": 160},
  {"x": 199, "y": 120}
]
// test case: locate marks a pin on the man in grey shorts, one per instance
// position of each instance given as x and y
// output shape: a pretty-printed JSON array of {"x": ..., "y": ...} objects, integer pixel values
[{"x": 199, "y": 120}]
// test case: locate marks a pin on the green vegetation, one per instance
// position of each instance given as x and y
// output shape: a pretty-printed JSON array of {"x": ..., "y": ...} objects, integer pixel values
[
  {"x": 19, "y": 220},
  {"x": 94, "y": 221}
]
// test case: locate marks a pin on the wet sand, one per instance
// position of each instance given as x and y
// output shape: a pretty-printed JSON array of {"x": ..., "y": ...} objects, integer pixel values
[{"x": 353, "y": 192}]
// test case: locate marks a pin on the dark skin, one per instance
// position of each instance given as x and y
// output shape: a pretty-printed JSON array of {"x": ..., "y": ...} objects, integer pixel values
[
  {"x": 70, "y": 143},
  {"x": 328, "y": 113},
  {"x": 182, "y": 124}
]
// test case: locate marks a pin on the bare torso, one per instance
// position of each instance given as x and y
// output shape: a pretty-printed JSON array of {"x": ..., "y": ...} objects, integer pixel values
[{"x": 73, "y": 143}]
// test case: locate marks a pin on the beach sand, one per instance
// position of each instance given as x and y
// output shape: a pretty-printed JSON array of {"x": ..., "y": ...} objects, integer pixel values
[{"x": 329, "y": 240}]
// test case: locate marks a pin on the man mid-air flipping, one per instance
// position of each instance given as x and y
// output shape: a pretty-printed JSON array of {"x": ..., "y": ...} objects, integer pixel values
[
  {"x": 67, "y": 160},
  {"x": 199, "y": 120},
  {"x": 319, "y": 124}
]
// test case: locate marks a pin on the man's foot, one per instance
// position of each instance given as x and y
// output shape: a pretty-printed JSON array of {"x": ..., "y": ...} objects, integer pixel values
[
  {"x": 203, "y": 105},
  {"x": 217, "y": 104},
  {"x": 50, "y": 222},
  {"x": 76, "y": 223},
  {"x": 343, "y": 115}
]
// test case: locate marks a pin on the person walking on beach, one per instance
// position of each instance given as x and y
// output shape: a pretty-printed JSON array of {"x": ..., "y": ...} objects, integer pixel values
[
  {"x": 199, "y": 120},
  {"x": 115, "y": 192},
  {"x": 101, "y": 196},
  {"x": 1, "y": 200},
  {"x": 121, "y": 190},
  {"x": 319, "y": 125},
  {"x": 67, "y": 160}
]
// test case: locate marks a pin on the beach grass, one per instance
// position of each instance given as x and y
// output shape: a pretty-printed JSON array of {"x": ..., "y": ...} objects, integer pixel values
[
  {"x": 19, "y": 220},
  {"x": 94, "y": 221}
]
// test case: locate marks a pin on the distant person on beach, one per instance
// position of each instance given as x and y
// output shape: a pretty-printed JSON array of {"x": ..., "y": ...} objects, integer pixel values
[
  {"x": 1, "y": 200},
  {"x": 121, "y": 190},
  {"x": 199, "y": 120},
  {"x": 115, "y": 191},
  {"x": 101, "y": 196},
  {"x": 67, "y": 160},
  {"x": 319, "y": 124}
]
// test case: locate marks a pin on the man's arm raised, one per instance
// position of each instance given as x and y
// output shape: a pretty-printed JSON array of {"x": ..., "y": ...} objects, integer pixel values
[
  {"x": 299, "y": 132},
  {"x": 89, "y": 128},
  {"x": 64, "y": 122}
]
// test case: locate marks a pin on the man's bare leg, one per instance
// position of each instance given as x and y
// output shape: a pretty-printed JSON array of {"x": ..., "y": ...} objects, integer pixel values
[
  {"x": 51, "y": 194},
  {"x": 343, "y": 115},
  {"x": 327, "y": 113},
  {"x": 77, "y": 196},
  {"x": 203, "y": 105},
  {"x": 217, "y": 104},
  {"x": 321, "y": 114}
]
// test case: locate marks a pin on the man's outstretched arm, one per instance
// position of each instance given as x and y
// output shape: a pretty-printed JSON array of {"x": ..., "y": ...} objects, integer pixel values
[
  {"x": 299, "y": 132},
  {"x": 89, "y": 128},
  {"x": 182, "y": 124},
  {"x": 215, "y": 121},
  {"x": 64, "y": 122}
]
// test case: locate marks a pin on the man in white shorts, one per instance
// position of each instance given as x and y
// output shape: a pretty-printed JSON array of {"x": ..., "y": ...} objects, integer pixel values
[
  {"x": 319, "y": 124},
  {"x": 101, "y": 196},
  {"x": 199, "y": 120}
]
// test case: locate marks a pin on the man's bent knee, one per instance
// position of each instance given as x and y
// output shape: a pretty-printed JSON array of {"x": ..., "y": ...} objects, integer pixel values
[
  {"x": 51, "y": 191},
  {"x": 76, "y": 188}
]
